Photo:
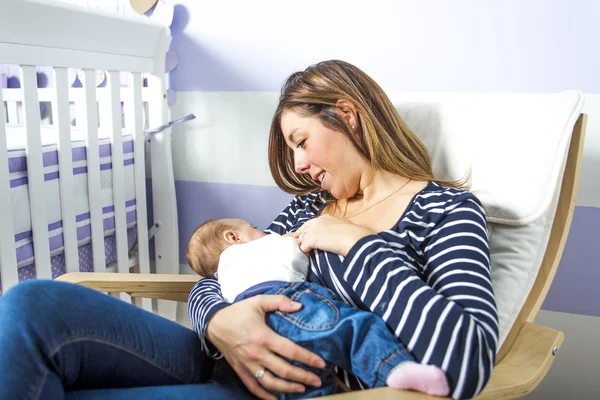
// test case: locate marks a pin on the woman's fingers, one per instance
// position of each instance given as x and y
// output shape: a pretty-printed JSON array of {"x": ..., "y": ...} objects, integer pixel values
[
  {"x": 299, "y": 231},
  {"x": 253, "y": 385},
  {"x": 249, "y": 345},
  {"x": 289, "y": 372},
  {"x": 288, "y": 349},
  {"x": 280, "y": 344},
  {"x": 270, "y": 303},
  {"x": 278, "y": 385}
]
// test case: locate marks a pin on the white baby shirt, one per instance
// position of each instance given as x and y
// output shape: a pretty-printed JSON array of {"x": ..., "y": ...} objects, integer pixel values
[{"x": 270, "y": 258}]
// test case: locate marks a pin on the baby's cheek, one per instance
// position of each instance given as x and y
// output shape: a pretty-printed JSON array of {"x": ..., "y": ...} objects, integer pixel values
[{"x": 259, "y": 234}]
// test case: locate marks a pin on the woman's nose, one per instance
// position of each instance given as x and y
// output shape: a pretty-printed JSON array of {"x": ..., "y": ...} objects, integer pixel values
[{"x": 301, "y": 166}]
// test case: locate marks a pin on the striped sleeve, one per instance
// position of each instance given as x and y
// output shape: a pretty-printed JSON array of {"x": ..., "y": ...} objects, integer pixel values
[
  {"x": 443, "y": 310},
  {"x": 292, "y": 216},
  {"x": 205, "y": 298},
  {"x": 204, "y": 301}
]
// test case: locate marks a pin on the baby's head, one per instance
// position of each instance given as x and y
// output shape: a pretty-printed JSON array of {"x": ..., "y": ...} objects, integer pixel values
[{"x": 211, "y": 238}]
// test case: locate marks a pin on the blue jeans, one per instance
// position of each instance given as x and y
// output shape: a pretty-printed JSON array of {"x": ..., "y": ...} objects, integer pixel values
[
  {"x": 342, "y": 335},
  {"x": 60, "y": 341}
]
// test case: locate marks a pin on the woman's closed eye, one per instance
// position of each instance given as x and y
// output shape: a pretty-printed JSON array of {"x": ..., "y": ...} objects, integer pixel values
[{"x": 301, "y": 144}]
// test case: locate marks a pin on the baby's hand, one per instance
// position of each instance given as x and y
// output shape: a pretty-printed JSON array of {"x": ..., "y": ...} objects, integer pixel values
[{"x": 289, "y": 234}]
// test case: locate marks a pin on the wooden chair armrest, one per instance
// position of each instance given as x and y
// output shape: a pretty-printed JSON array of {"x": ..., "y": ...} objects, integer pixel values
[
  {"x": 523, "y": 368},
  {"x": 526, "y": 363},
  {"x": 157, "y": 286}
]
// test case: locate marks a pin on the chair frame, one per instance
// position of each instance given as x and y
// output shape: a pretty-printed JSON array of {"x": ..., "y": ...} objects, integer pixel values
[{"x": 524, "y": 358}]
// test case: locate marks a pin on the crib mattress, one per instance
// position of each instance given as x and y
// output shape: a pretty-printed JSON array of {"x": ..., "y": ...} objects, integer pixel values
[{"x": 20, "y": 194}]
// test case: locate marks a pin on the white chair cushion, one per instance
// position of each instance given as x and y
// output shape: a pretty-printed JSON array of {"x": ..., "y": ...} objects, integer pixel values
[{"x": 516, "y": 147}]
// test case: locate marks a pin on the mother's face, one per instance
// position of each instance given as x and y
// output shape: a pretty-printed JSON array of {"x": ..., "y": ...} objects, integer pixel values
[{"x": 327, "y": 156}]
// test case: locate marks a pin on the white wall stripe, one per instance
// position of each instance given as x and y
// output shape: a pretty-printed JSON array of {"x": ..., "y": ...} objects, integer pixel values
[{"x": 237, "y": 124}]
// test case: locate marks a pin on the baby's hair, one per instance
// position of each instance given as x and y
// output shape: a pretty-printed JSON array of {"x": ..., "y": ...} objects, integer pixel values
[{"x": 206, "y": 245}]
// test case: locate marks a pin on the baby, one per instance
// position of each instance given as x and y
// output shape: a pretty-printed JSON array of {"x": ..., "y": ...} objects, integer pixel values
[{"x": 247, "y": 262}]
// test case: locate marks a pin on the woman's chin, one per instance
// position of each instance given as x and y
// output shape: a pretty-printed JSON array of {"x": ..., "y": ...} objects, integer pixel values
[{"x": 337, "y": 194}]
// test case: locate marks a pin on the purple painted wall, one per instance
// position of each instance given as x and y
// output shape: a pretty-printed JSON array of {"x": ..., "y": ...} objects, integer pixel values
[
  {"x": 573, "y": 290},
  {"x": 575, "y": 286},
  {"x": 201, "y": 201}
]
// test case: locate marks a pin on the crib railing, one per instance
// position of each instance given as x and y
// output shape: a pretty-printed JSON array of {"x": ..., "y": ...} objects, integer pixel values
[
  {"x": 42, "y": 34},
  {"x": 88, "y": 101},
  {"x": 8, "y": 255},
  {"x": 13, "y": 101}
]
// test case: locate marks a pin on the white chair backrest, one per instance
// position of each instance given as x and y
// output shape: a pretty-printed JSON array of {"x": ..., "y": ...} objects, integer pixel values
[{"x": 516, "y": 146}]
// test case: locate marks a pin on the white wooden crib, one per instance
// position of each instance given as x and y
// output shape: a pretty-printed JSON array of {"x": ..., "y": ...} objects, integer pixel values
[{"x": 70, "y": 38}]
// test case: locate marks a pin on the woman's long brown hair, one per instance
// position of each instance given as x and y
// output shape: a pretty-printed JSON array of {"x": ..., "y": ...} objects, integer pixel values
[{"x": 382, "y": 137}]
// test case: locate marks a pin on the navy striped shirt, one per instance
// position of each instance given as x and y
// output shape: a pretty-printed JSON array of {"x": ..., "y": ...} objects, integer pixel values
[{"x": 428, "y": 278}]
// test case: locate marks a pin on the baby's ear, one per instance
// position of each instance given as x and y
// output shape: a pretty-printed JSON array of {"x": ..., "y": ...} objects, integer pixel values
[{"x": 231, "y": 237}]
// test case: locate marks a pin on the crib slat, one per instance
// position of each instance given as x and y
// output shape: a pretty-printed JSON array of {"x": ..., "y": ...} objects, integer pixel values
[
  {"x": 89, "y": 118},
  {"x": 166, "y": 239},
  {"x": 118, "y": 171},
  {"x": 135, "y": 124},
  {"x": 61, "y": 119},
  {"x": 35, "y": 172},
  {"x": 13, "y": 113},
  {"x": 8, "y": 256}
]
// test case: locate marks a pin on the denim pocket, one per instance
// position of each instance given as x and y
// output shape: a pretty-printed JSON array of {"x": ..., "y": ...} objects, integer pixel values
[{"x": 318, "y": 313}]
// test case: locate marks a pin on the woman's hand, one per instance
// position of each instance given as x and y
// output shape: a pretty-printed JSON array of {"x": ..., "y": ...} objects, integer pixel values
[
  {"x": 239, "y": 331},
  {"x": 329, "y": 233}
]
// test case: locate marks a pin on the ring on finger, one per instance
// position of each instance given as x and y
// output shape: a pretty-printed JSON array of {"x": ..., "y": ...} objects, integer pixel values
[
  {"x": 259, "y": 374},
  {"x": 302, "y": 235}
]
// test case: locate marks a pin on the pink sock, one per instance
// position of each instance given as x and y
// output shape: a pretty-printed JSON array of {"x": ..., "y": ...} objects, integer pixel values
[{"x": 410, "y": 375}]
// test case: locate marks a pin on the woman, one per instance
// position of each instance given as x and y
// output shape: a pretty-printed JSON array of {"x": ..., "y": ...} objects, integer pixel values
[{"x": 381, "y": 231}]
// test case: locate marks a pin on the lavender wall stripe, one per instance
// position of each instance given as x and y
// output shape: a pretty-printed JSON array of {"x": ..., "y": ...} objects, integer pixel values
[
  {"x": 575, "y": 285},
  {"x": 200, "y": 201}
]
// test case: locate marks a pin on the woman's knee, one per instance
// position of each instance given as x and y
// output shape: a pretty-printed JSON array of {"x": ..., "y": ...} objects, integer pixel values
[{"x": 32, "y": 297}]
